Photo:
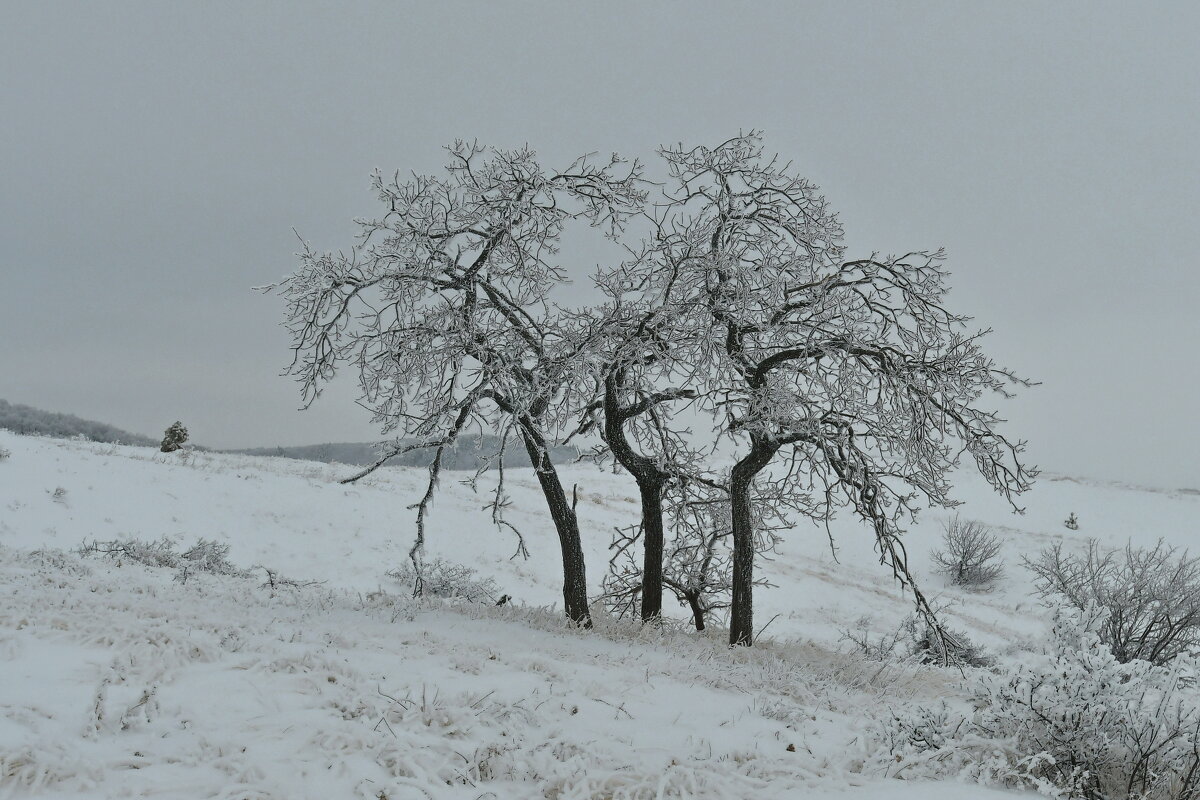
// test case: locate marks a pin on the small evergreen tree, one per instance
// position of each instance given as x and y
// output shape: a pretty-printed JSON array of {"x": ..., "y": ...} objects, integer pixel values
[{"x": 174, "y": 437}]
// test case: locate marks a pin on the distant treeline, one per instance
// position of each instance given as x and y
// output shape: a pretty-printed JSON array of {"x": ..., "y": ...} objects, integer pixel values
[
  {"x": 30, "y": 420},
  {"x": 466, "y": 454}
]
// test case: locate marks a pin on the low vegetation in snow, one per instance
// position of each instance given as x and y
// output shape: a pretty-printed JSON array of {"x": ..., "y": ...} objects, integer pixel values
[{"x": 1072, "y": 721}]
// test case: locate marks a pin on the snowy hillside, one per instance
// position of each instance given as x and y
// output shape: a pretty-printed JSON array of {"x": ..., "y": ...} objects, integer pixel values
[{"x": 323, "y": 679}]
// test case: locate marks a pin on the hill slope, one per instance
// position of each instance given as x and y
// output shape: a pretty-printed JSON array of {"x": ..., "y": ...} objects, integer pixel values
[
  {"x": 465, "y": 454},
  {"x": 124, "y": 679},
  {"x": 29, "y": 420}
]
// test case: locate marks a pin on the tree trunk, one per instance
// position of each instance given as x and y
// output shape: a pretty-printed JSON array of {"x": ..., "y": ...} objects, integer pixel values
[
  {"x": 741, "y": 615},
  {"x": 741, "y": 481},
  {"x": 567, "y": 524},
  {"x": 652, "y": 531},
  {"x": 697, "y": 611},
  {"x": 651, "y": 482}
]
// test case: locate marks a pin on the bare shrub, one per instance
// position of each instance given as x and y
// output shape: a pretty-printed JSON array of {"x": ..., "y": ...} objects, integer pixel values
[
  {"x": 438, "y": 578},
  {"x": 159, "y": 553},
  {"x": 274, "y": 581},
  {"x": 1072, "y": 722},
  {"x": 205, "y": 556},
  {"x": 971, "y": 554},
  {"x": 4, "y": 454},
  {"x": 1153, "y": 595},
  {"x": 948, "y": 647},
  {"x": 697, "y": 559},
  {"x": 885, "y": 647},
  {"x": 916, "y": 640}
]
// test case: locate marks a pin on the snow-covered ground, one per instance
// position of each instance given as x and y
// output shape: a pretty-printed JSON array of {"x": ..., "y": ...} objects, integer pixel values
[{"x": 121, "y": 681}]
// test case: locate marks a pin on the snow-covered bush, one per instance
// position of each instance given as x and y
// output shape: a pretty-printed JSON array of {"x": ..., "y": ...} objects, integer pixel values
[
  {"x": 954, "y": 648},
  {"x": 886, "y": 647},
  {"x": 48, "y": 558},
  {"x": 160, "y": 553},
  {"x": 970, "y": 554},
  {"x": 1153, "y": 595},
  {"x": 204, "y": 556},
  {"x": 1074, "y": 722},
  {"x": 4, "y": 454},
  {"x": 438, "y": 578},
  {"x": 915, "y": 640}
]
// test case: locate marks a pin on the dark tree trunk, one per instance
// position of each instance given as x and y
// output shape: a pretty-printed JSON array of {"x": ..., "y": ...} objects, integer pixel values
[
  {"x": 697, "y": 611},
  {"x": 567, "y": 525},
  {"x": 652, "y": 531},
  {"x": 651, "y": 482},
  {"x": 741, "y": 482},
  {"x": 741, "y": 615}
]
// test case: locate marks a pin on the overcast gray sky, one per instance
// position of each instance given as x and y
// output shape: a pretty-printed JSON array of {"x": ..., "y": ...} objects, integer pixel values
[{"x": 155, "y": 157}]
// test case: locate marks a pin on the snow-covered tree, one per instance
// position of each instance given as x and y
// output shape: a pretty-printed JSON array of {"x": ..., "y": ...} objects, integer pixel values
[
  {"x": 970, "y": 554},
  {"x": 841, "y": 383},
  {"x": 174, "y": 437},
  {"x": 443, "y": 307},
  {"x": 630, "y": 366}
]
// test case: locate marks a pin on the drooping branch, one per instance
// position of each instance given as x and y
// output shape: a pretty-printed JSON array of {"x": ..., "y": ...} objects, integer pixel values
[{"x": 854, "y": 369}]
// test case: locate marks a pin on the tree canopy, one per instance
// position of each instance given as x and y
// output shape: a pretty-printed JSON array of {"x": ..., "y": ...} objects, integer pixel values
[{"x": 836, "y": 382}]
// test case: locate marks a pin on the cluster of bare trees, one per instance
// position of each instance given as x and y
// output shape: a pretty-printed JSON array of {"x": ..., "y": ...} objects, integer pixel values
[{"x": 832, "y": 382}]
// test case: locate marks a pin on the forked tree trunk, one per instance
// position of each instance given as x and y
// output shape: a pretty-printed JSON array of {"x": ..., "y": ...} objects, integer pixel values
[
  {"x": 567, "y": 525},
  {"x": 651, "y": 482},
  {"x": 741, "y": 482}
]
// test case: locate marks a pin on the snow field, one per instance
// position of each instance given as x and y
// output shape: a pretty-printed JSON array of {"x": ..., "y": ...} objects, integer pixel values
[{"x": 120, "y": 681}]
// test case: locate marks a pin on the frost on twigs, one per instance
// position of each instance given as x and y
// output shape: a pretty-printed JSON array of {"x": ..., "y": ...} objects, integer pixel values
[
  {"x": 1073, "y": 722},
  {"x": 697, "y": 559},
  {"x": 1153, "y": 594},
  {"x": 839, "y": 383},
  {"x": 438, "y": 578},
  {"x": 916, "y": 641},
  {"x": 205, "y": 556},
  {"x": 443, "y": 307},
  {"x": 160, "y": 553},
  {"x": 274, "y": 581},
  {"x": 970, "y": 555}
]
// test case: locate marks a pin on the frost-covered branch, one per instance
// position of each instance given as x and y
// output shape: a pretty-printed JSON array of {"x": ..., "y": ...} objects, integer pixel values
[{"x": 443, "y": 307}]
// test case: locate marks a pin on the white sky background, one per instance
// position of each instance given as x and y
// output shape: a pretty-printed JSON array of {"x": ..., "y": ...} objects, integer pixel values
[{"x": 154, "y": 159}]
